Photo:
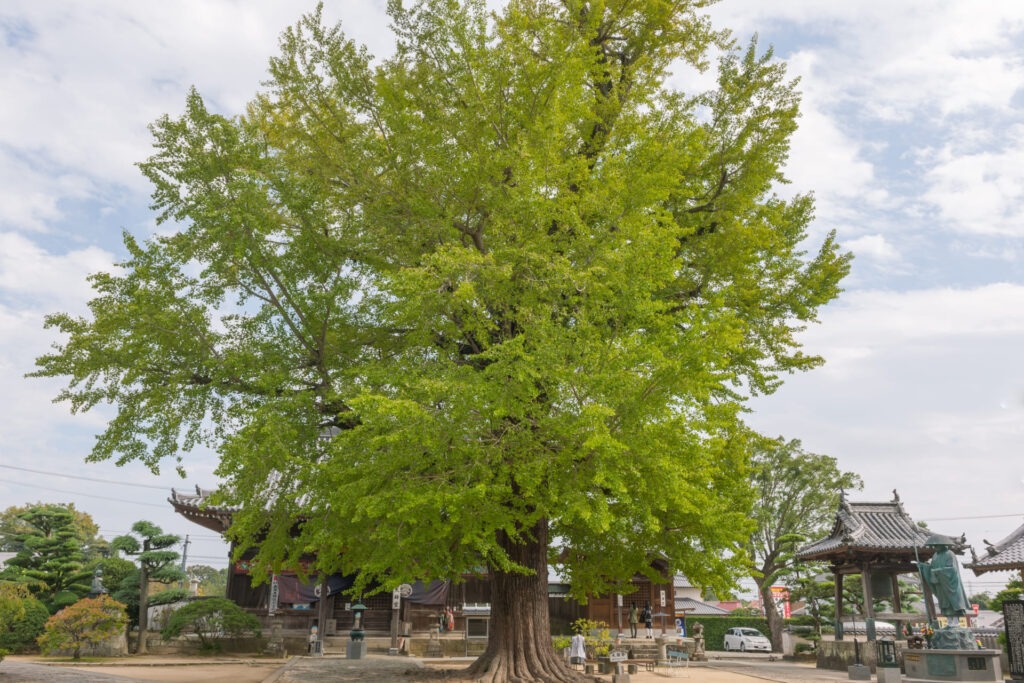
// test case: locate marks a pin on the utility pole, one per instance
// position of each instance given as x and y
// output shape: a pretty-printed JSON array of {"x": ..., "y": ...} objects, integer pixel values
[{"x": 184, "y": 560}]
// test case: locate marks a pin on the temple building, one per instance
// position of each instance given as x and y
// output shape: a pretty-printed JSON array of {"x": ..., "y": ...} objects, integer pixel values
[
  {"x": 1006, "y": 555},
  {"x": 878, "y": 541},
  {"x": 299, "y": 605}
]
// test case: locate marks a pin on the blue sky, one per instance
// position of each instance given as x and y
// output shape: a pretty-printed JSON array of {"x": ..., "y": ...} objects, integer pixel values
[{"x": 911, "y": 138}]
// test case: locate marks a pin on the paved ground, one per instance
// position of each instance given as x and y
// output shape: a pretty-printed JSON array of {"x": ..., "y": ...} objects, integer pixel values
[{"x": 373, "y": 669}]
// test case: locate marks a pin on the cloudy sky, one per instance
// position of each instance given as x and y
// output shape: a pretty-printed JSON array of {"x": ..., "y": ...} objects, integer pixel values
[{"x": 911, "y": 138}]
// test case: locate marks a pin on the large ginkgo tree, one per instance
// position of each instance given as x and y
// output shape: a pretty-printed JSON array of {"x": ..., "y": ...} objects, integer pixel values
[{"x": 491, "y": 304}]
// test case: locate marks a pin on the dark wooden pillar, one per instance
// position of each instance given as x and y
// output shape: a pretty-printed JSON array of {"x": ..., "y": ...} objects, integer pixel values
[
  {"x": 897, "y": 599},
  {"x": 839, "y": 603},
  {"x": 869, "y": 602}
]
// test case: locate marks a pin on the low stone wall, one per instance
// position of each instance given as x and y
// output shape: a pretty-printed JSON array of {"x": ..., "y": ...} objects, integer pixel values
[
  {"x": 111, "y": 647},
  {"x": 189, "y": 644},
  {"x": 838, "y": 655}
]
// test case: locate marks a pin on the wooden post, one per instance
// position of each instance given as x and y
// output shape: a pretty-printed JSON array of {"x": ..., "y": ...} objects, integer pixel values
[
  {"x": 839, "y": 604},
  {"x": 869, "y": 602}
]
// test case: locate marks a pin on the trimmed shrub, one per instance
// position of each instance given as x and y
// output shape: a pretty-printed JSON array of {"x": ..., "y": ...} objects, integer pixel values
[
  {"x": 20, "y": 634},
  {"x": 89, "y": 621},
  {"x": 211, "y": 619}
]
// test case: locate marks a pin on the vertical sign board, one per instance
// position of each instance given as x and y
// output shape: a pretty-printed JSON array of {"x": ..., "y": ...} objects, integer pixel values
[
  {"x": 1013, "y": 620},
  {"x": 275, "y": 593},
  {"x": 662, "y": 601}
]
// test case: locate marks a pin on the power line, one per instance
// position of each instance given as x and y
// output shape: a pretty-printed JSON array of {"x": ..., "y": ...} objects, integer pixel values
[
  {"x": 955, "y": 519},
  {"x": 87, "y": 495},
  {"x": 84, "y": 478},
  {"x": 194, "y": 537}
]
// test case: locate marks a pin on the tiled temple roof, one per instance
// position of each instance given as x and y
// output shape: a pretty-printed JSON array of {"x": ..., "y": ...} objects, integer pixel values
[
  {"x": 870, "y": 528},
  {"x": 693, "y": 608},
  {"x": 195, "y": 508},
  {"x": 1006, "y": 555}
]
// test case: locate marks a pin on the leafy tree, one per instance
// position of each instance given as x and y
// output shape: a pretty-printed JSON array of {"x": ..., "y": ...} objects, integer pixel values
[
  {"x": 797, "y": 496},
  {"x": 211, "y": 619},
  {"x": 1013, "y": 591},
  {"x": 212, "y": 582},
  {"x": 50, "y": 556},
  {"x": 980, "y": 599},
  {"x": 149, "y": 545},
  {"x": 525, "y": 285},
  {"x": 113, "y": 572},
  {"x": 12, "y": 601},
  {"x": 811, "y": 583},
  {"x": 89, "y": 621},
  {"x": 22, "y": 620}
]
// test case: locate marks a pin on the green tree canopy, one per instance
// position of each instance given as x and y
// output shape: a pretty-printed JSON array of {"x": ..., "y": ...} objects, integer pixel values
[
  {"x": 149, "y": 545},
  {"x": 13, "y": 525},
  {"x": 797, "y": 498},
  {"x": 1013, "y": 590},
  {"x": 50, "y": 556},
  {"x": 523, "y": 283},
  {"x": 212, "y": 582}
]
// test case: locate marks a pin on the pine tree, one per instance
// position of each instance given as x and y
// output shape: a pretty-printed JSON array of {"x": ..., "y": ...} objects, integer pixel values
[{"x": 148, "y": 544}]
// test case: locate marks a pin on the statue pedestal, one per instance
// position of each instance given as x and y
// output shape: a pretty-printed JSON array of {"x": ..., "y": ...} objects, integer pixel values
[
  {"x": 953, "y": 665},
  {"x": 356, "y": 649},
  {"x": 888, "y": 675},
  {"x": 858, "y": 672}
]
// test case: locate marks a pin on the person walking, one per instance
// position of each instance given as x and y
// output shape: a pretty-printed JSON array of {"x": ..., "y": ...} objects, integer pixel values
[
  {"x": 648, "y": 618},
  {"x": 634, "y": 619},
  {"x": 578, "y": 649}
]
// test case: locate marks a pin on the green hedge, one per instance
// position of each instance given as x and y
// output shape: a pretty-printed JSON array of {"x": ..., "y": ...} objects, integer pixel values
[
  {"x": 20, "y": 635},
  {"x": 715, "y": 628}
]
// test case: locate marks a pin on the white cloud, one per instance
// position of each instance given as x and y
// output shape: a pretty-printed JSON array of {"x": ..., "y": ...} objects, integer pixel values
[
  {"x": 87, "y": 79},
  {"x": 885, "y": 319},
  {"x": 875, "y": 247},
  {"x": 980, "y": 192},
  {"x": 28, "y": 272}
]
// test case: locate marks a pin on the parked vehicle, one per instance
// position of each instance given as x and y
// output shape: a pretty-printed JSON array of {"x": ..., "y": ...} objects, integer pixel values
[{"x": 747, "y": 640}]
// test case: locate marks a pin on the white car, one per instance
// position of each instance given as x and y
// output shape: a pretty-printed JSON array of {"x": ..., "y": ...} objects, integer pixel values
[{"x": 747, "y": 640}]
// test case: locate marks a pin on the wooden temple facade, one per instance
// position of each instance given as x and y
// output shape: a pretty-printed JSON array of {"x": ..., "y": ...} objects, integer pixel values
[
  {"x": 299, "y": 603},
  {"x": 877, "y": 541}
]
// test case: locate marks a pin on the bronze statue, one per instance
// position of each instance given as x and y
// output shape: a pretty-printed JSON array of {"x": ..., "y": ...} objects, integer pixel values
[{"x": 943, "y": 575}]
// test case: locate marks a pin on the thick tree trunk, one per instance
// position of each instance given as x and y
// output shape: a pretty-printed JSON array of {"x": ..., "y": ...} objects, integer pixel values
[
  {"x": 775, "y": 620},
  {"x": 140, "y": 648},
  {"x": 519, "y": 649}
]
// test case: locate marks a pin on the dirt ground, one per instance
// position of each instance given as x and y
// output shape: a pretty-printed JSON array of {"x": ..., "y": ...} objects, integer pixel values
[
  {"x": 374, "y": 669},
  {"x": 177, "y": 669}
]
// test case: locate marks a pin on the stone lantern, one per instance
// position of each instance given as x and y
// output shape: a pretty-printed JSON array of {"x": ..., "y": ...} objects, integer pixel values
[{"x": 357, "y": 645}]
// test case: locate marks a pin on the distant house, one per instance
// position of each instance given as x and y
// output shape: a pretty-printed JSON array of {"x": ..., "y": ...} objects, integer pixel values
[
  {"x": 688, "y": 600},
  {"x": 4, "y": 557}
]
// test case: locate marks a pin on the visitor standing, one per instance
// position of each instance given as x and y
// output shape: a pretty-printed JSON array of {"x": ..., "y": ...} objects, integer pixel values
[
  {"x": 648, "y": 618},
  {"x": 634, "y": 619}
]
